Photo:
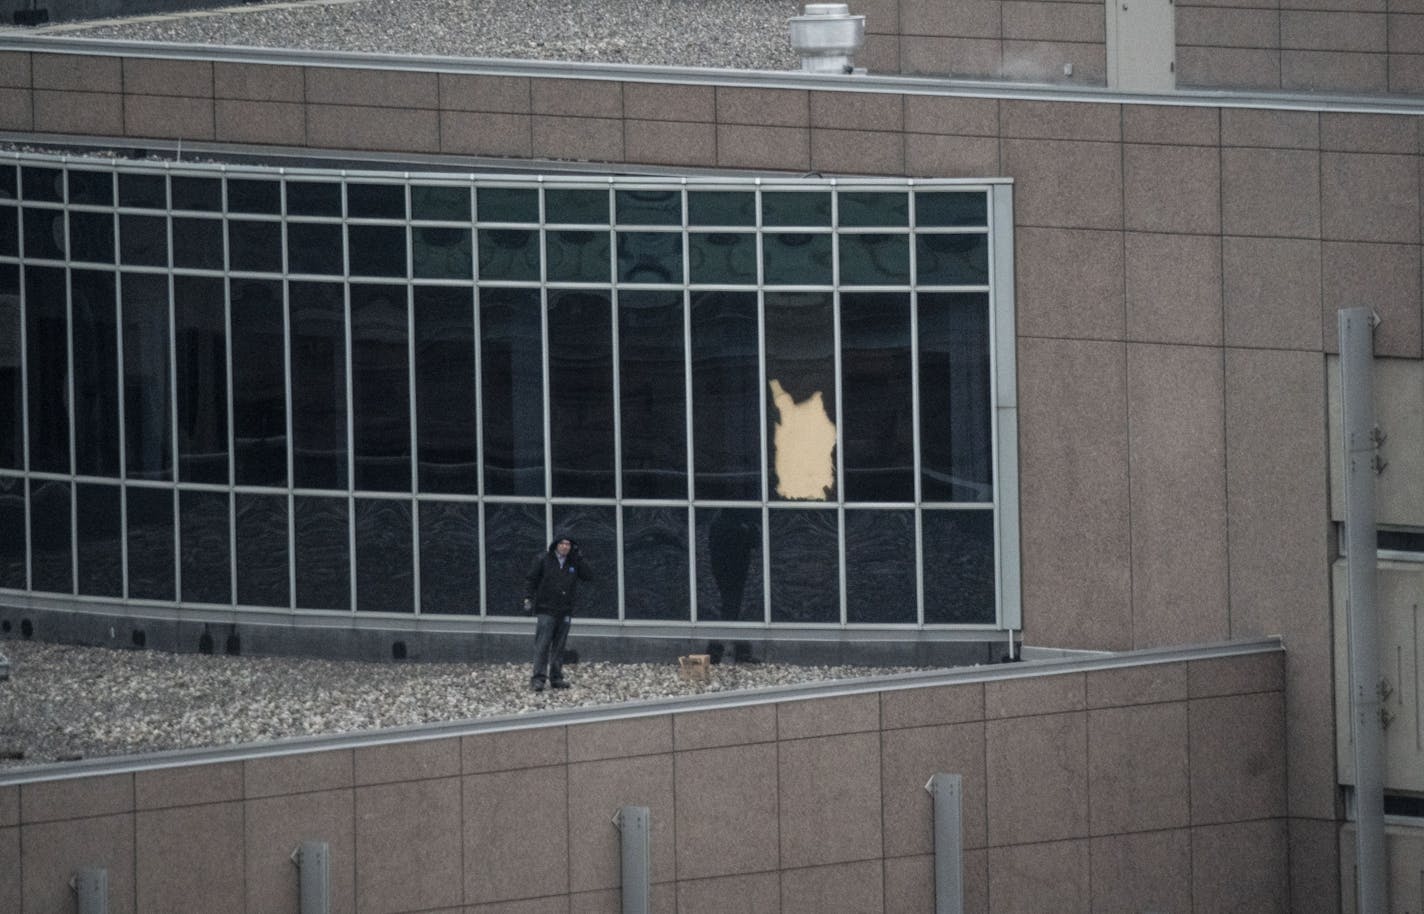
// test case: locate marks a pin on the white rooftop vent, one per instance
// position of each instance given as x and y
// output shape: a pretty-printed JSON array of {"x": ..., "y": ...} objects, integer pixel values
[{"x": 827, "y": 37}]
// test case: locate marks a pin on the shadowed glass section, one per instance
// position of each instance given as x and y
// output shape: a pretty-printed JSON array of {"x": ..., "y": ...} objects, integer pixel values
[
  {"x": 595, "y": 528},
  {"x": 450, "y": 557},
  {"x": 318, "y": 360},
  {"x": 514, "y": 537},
  {"x": 655, "y": 552},
  {"x": 96, "y": 373},
  {"x": 723, "y": 258},
  {"x": 956, "y": 431},
  {"x": 577, "y": 256},
  {"x": 51, "y": 561},
  {"x": 509, "y": 255},
  {"x": 375, "y": 201},
  {"x": 805, "y": 575},
  {"x": 254, "y": 246},
  {"x": 648, "y": 207},
  {"x": 572, "y": 206},
  {"x": 197, "y": 243},
  {"x": 445, "y": 389},
  {"x": 262, "y": 550},
  {"x": 438, "y": 202},
  {"x": 201, "y": 347},
  {"x": 380, "y": 388},
  {"x": 716, "y": 207},
  {"x": 12, "y": 384},
  {"x": 729, "y": 565},
  {"x": 581, "y": 393},
  {"x": 652, "y": 394},
  {"x": 512, "y": 379},
  {"x": 91, "y": 237},
  {"x": 12, "y": 532},
  {"x": 313, "y": 198},
  {"x": 650, "y": 257},
  {"x": 42, "y": 183},
  {"x": 9, "y": 231},
  {"x": 322, "y": 547},
  {"x": 91, "y": 188},
  {"x": 259, "y": 402},
  {"x": 150, "y": 540},
  {"x": 47, "y": 367},
  {"x": 143, "y": 241},
  {"x": 952, "y": 260},
  {"x": 204, "y": 547},
  {"x": 247, "y": 195},
  {"x": 148, "y": 435},
  {"x": 875, "y": 260},
  {"x": 314, "y": 248},
  {"x": 877, "y": 393},
  {"x": 792, "y": 207},
  {"x": 441, "y": 253},
  {"x": 796, "y": 259},
  {"x": 951, "y": 209},
  {"x": 99, "y": 540},
  {"x": 44, "y": 233},
  {"x": 801, "y": 396},
  {"x": 880, "y": 566},
  {"x": 385, "y": 572},
  {"x": 873, "y": 208},
  {"x": 507, "y": 204},
  {"x": 726, "y": 396},
  {"x": 378, "y": 250},
  {"x": 143, "y": 191},
  {"x": 202, "y": 195},
  {"x": 959, "y": 567}
]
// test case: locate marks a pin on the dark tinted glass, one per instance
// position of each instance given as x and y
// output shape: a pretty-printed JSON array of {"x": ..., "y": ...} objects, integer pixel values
[
  {"x": 99, "y": 540},
  {"x": 8, "y": 184},
  {"x": 378, "y": 250},
  {"x": 952, "y": 260},
  {"x": 143, "y": 241},
  {"x": 581, "y": 381},
  {"x": 445, "y": 389},
  {"x": 385, "y": 571},
  {"x": 955, "y": 422},
  {"x": 875, "y": 260},
  {"x": 594, "y": 526},
  {"x": 203, "y": 195},
  {"x": 261, "y": 523},
  {"x": 805, "y": 570},
  {"x": 198, "y": 243},
  {"x": 652, "y": 395},
  {"x": 507, "y": 204},
  {"x": 201, "y": 347},
  {"x": 321, "y": 547},
  {"x": 150, "y": 552},
  {"x": 246, "y": 195},
  {"x": 204, "y": 547},
  {"x": 12, "y": 386},
  {"x": 648, "y": 207},
  {"x": 509, "y": 254},
  {"x": 511, "y": 365},
  {"x": 313, "y": 198},
  {"x": 450, "y": 558},
  {"x": 867, "y": 208},
  {"x": 91, "y": 237},
  {"x": 796, "y": 208},
  {"x": 723, "y": 258},
  {"x": 259, "y": 401},
  {"x": 9, "y": 231},
  {"x": 380, "y": 389},
  {"x": 726, "y": 395},
  {"x": 880, "y": 567},
  {"x": 51, "y": 561},
  {"x": 959, "y": 567},
  {"x": 796, "y": 259},
  {"x": 47, "y": 366},
  {"x": 441, "y": 253},
  {"x": 579, "y": 207},
  {"x": 143, "y": 191},
  {"x": 655, "y": 543},
  {"x": 148, "y": 437},
  {"x": 43, "y": 184},
  {"x": 729, "y": 565},
  {"x": 651, "y": 257},
  {"x": 446, "y": 204},
  {"x": 577, "y": 256},
  {"x": 318, "y": 340},
  {"x": 951, "y": 208},
  {"x": 44, "y": 233},
  {"x": 314, "y": 247},
  {"x": 801, "y": 400},
  {"x": 12, "y": 533},
  {"x": 877, "y": 384},
  {"x": 91, "y": 188},
  {"x": 715, "y": 207},
  {"x": 375, "y": 201},
  {"x": 96, "y": 374},
  {"x": 515, "y": 537},
  {"x": 253, "y": 246}
]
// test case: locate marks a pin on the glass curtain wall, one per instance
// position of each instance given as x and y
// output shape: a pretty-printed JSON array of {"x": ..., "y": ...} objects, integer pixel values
[{"x": 753, "y": 402}]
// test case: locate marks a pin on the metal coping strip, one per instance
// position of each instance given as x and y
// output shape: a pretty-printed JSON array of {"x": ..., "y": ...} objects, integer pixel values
[{"x": 635, "y": 709}]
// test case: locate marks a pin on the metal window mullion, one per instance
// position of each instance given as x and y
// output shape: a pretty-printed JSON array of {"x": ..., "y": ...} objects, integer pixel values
[
  {"x": 411, "y": 403},
  {"x": 72, "y": 402},
  {"x": 764, "y": 472},
  {"x": 350, "y": 407},
  {"x": 544, "y": 362},
  {"x": 836, "y": 369},
  {"x": 1004, "y": 401},
  {"x": 915, "y": 434},
  {"x": 479, "y": 400},
  {"x": 231, "y": 424},
  {"x": 617, "y": 360},
  {"x": 687, "y": 408},
  {"x": 24, "y": 298}
]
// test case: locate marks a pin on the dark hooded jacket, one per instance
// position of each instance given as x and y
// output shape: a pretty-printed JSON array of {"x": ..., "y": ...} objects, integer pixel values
[{"x": 552, "y": 588}]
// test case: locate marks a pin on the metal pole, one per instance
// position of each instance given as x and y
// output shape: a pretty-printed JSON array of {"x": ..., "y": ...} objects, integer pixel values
[
  {"x": 948, "y": 793},
  {"x": 634, "y": 824},
  {"x": 1361, "y": 439}
]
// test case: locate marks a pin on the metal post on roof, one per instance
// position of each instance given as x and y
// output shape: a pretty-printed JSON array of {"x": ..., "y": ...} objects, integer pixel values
[
  {"x": 91, "y": 886},
  {"x": 633, "y": 823},
  {"x": 313, "y": 860},
  {"x": 948, "y": 793}
]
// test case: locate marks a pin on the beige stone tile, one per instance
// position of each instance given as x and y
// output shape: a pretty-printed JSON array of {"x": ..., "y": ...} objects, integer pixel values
[
  {"x": 856, "y": 111},
  {"x": 1271, "y": 292},
  {"x": 974, "y": 19},
  {"x": 1034, "y": 695},
  {"x": 1384, "y": 277},
  {"x": 168, "y": 117},
  {"x": 512, "y": 749},
  {"x": 72, "y": 798},
  {"x": 258, "y": 82},
  {"x": 724, "y": 727},
  {"x": 1238, "y": 765},
  {"x": 17, "y": 109},
  {"x": 1071, "y": 283},
  {"x": 950, "y": 156},
  {"x": 880, "y": 54},
  {"x": 407, "y": 761},
  {"x": 583, "y": 138},
  {"x": 1369, "y": 197},
  {"x": 923, "y": 706},
  {"x": 283, "y": 774},
  {"x": 15, "y": 69},
  {"x": 1171, "y": 125},
  {"x": 77, "y": 73},
  {"x": 754, "y": 893},
  {"x": 1241, "y": 867},
  {"x": 1236, "y": 675},
  {"x": 275, "y": 827},
  {"x": 1135, "y": 685},
  {"x": 1137, "y": 768},
  {"x": 763, "y": 107},
  {"x": 515, "y": 835},
  {"x": 273, "y": 123},
  {"x": 1036, "y": 878},
  {"x": 190, "y": 78},
  {"x": 620, "y": 738},
  {"x": 662, "y": 897},
  {"x": 1340, "y": 30},
  {"x": 577, "y": 97},
  {"x": 189, "y": 785},
  {"x": 351, "y": 88},
  {"x": 408, "y": 840},
  {"x": 670, "y": 143},
  {"x": 827, "y": 716},
  {"x": 910, "y": 884},
  {"x": 1044, "y": 61},
  {"x": 475, "y": 92},
  {"x": 1382, "y": 133},
  {"x": 9, "y": 806},
  {"x": 486, "y": 134},
  {"x": 969, "y": 57},
  {"x": 1406, "y": 30},
  {"x": 1314, "y": 862},
  {"x": 1272, "y": 192},
  {"x": 1266, "y": 127},
  {"x": 78, "y": 112},
  {"x": 52, "y": 851},
  {"x": 1066, "y": 183},
  {"x": 908, "y": 760},
  {"x": 1149, "y": 871},
  {"x": 830, "y": 800},
  {"x": 1173, "y": 288},
  {"x": 1056, "y": 121},
  {"x": 553, "y": 905},
  {"x": 726, "y": 801},
  {"x": 1218, "y": 27},
  {"x": 1038, "y": 21},
  {"x": 352, "y": 127},
  {"x": 952, "y": 116},
  {"x": 880, "y": 15},
  {"x": 1229, "y": 68},
  {"x": 1038, "y": 778},
  {"x": 857, "y": 152},
  {"x": 1406, "y": 73},
  {"x": 664, "y": 102},
  {"x": 846, "y": 888},
  {"x": 597, "y": 791},
  {"x": 787, "y": 148},
  {"x": 10, "y": 890},
  {"x": 1172, "y": 189},
  {"x": 208, "y": 841}
]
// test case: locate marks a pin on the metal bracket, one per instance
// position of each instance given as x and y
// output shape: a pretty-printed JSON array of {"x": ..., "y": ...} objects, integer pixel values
[
  {"x": 634, "y": 822},
  {"x": 313, "y": 860},
  {"x": 948, "y": 793},
  {"x": 91, "y": 885}
]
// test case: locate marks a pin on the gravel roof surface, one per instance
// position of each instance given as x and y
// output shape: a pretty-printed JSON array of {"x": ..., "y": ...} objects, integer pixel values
[
  {"x": 738, "y": 34},
  {"x": 63, "y": 703}
]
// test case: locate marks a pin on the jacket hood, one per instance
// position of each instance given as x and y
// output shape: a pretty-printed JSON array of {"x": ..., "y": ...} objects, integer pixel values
[{"x": 559, "y": 538}]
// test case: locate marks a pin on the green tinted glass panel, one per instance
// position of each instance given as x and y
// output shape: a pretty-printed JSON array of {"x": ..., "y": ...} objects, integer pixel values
[
  {"x": 577, "y": 256},
  {"x": 952, "y": 260},
  {"x": 650, "y": 257},
  {"x": 313, "y": 198},
  {"x": 441, "y": 253},
  {"x": 507, "y": 204},
  {"x": 796, "y": 208},
  {"x": 722, "y": 257},
  {"x": 875, "y": 260},
  {"x": 649, "y": 207},
  {"x": 874, "y": 209},
  {"x": 262, "y": 197},
  {"x": 202, "y": 195},
  {"x": 715, "y": 207},
  {"x": 450, "y": 204},
  {"x": 43, "y": 185},
  {"x": 509, "y": 254},
  {"x": 375, "y": 201},
  {"x": 149, "y": 191},
  {"x": 93, "y": 188},
  {"x": 797, "y": 259},
  {"x": 7, "y": 182},
  {"x": 951, "y": 209},
  {"x": 576, "y": 206}
]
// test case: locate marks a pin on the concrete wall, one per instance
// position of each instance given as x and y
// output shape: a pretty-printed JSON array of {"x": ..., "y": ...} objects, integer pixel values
[{"x": 1154, "y": 786}]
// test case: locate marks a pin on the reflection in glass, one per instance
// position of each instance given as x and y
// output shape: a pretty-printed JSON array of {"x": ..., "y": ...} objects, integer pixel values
[
  {"x": 99, "y": 540},
  {"x": 96, "y": 373},
  {"x": 12, "y": 386},
  {"x": 201, "y": 348},
  {"x": 648, "y": 207},
  {"x": 450, "y": 558},
  {"x": 507, "y": 204},
  {"x": 143, "y": 241},
  {"x": 91, "y": 188},
  {"x": 148, "y": 442},
  {"x": 655, "y": 546},
  {"x": 512, "y": 383},
  {"x": 150, "y": 537},
  {"x": 652, "y": 395},
  {"x": 880, "y": 567},
  {"x": 12, "y": 532},
  {"x": 796, "y": 259},
  {"x": 726, "y": 258},
  {"x": 514, "y": 537},
  {"x": 245, "y": 195},
  {"x": 726, "y": 396},
  {"x": 51, "y": 561},
  {"x": 198, "y": 243},
  {"x": 801, "y": 396},
  {"x": 715, "y": 207},
  {"x": 204, "y": 547},
  {"x": 44, "y": 233},
  {"x": 259, "y": 402},
  {"x": 873, "y": 208},
  {"x": 254, "y": 246},
  {"x": 729, "y": 565},
  {"x": 378, "y": 250},
  {"x": 385, "y": 573},
  {"x": 805, "y": 570},
  {"x": 261, "y": 523},
  {"x": 47, "y": 368},
  {"x": 441, "y": 253},
  {"x": 322, "y": 548},
  {"x": 375, "y": 201},
  {"x": 199, "y": 194},
  {"x": 575, "y": 207},
  {"x": 445, "y": 389},
  {"x": 956, "y": 442},
  {"x": 380, "y": 388},
  {"x": 91, "y": 237},
  {"x": 509, "y": 255},
  {"x": 313, "y": 198},
  {"x": 9, "y": 186},
  {"x": 809, "y": 208},
  {"x": 9, "y": 231},
  {"x": 951, "y": 208},
  {"x": 314, "y": 248},
  {"x": 577, "y": 256},
  {"x": 595, "y": 528},
  {"x": 318, "y": 340},
  {"x": 875, "y": 260},
  {"x": 959, "y": 567},
  {"x": 650, "y": 257},
  {"x": 43, "y": 184},
  {"x": 877, "y": 430},
  {"x": 443, "y": 203},
  {"x": 952, "y": 260},
  {"x": 581, "y": 393}
]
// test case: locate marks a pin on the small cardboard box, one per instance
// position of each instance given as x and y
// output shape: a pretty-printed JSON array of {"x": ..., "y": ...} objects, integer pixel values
[{"x": 695, "y": 667}]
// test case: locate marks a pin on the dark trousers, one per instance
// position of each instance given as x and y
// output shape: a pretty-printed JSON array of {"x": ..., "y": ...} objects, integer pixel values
[{"x": 549, "y": 637}]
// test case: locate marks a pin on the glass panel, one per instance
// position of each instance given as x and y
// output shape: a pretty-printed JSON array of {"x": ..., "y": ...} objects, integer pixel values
[
  {"x": 509, "y": 254},
  {"x": 318, "y": 340},
  {"x": 722, "y": 257},
  {"x": 322, "y": 548},
  {"x": 12, "y": 387},
  {"x": 512, "y": 379},
  {"x": 581, "y": 393},
  {"x": 653, "y": 395},
  {"x": 801, "y": 396},
  {"x": 450, "y": 558},
  {"x": 385, "y": 576},
  {"x": 313, "y": 198},
  {"x": 12, "y": 533},
  {"x": 8, "y": 183},
  {"x": 507, "y": 204},
  {"x": 44, "y": 233},
  {"x": 871, "y": 208},
  {"x": 143, "y": 241},
  {"x": 96, "y": 373},
  {"x": 375, "y": 201},
  {"x": 47, "y": 365},
  {"x": 201, "y": 348},
  {"x": 314, "y": 247},
  {"x": 380, "y": 389},
  {"x": 442, "y": 253},
  {"x": 9, "y": 231},
  {"x": 44, "y": 184},
  {"x": 875, "y": 260},
  {"x": 805, "y": 570},
  {"x": 650, "y": 257},
  {"x": 445, "y": 390},
  {"x": 729, "y": 565},
  {"x": 91, "y": 188},
  {"x": 595, "y": 530},
  {"x": 443, "y": 203},
  {"x": 956, "y": 444},
  {"x": 577, "y": 256},
  {"x": 91, "y": 237},
  {"x": 150, "y": 553},
  {"x": 99, "y": 540},
  {"x": 719, "y": 207},
  {"x": 951, "y": 208},
  {"x": 726, "y": 395},
  {"x": 148, "y": 436},
  {"x": 254, "y": 246},
  {"x": 796, "y": 259},
  {"x": 378, "y": 250},
  {"x": 143, "y": 191},
  {"x": 198, "y": 243},
  {"x": 952, "y": 260},
  {"x": 959, "y": 567},
  {"x": 201, "y": 194},
  {"x": 655, "y": 543},
  {"x": 877, "y": 379},
  {"x": 648, "y": 207},
  {"x": 514, "y": 538},
  {"x": 880, "y": 567},
  {"x": 259, "y": 396},
  {"x": 205, "y": 547},
  {"x": 51, "y": 562},
  {"x": 577, "y": 207},
  {"x": 262, "y": 550},
  {"x": 809, "y": 208},
  {"x": 246, "y": 195}
]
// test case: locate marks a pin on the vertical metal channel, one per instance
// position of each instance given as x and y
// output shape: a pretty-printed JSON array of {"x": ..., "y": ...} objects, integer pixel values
[
  {"x": 412, "y": 404},
  {"x": 313, "y": 860},
  {"x": 1005, "y": 433},
  {"x": 948, "y": 793},
  {"x": 634, "y": 825},
  {"x": 91, "y": 888}
]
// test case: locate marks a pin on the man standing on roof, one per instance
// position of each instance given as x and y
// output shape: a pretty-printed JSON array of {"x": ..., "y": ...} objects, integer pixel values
[{"x": 549, "y": 592}]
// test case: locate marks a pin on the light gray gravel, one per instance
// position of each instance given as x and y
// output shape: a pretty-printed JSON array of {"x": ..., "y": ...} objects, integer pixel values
[{"x": 63, "y": 702}]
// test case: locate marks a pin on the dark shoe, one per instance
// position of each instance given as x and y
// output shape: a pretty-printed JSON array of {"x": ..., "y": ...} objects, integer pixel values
[
  {"x": 560, "y": 683},
  {"x": 536, "y": 684}
]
